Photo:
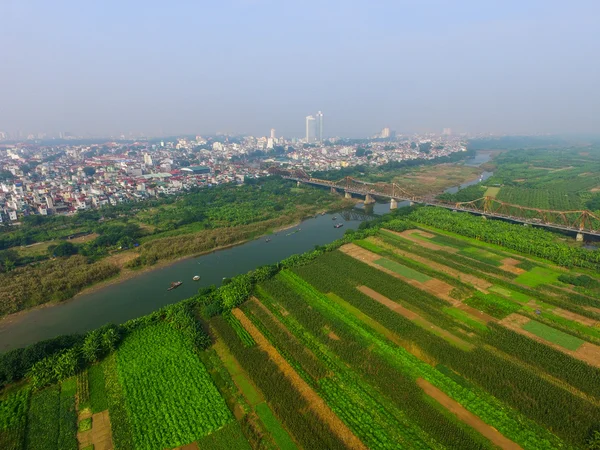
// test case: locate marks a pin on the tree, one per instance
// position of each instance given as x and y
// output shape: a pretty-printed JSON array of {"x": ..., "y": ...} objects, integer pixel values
[
  {"x": 594, "y": 441},
  {"x": 91, "y": 348},
  {"x": 63, "y": 249},
  {"x": 89, "y": 171}
]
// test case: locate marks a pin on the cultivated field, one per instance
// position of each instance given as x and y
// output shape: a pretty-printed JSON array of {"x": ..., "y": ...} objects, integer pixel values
[{"x": 417, "y": 338}]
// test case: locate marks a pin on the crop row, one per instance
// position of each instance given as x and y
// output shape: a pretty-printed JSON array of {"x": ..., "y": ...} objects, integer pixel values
[
  {"x": 282, "y": 396},
  {"x": 170, "y": 397},
  {"x": 559, "y": 298},
  {"x": 355, "y": 402},
  {"x": 239, "y": 329},
  {"x": 360, "y": 348},
  {"x": 13, "y": 419},
  {"x": 523, "y": 389}
]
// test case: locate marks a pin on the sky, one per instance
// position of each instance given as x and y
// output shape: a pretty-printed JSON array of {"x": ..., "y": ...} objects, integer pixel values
[{"x": 246, "y": 66}]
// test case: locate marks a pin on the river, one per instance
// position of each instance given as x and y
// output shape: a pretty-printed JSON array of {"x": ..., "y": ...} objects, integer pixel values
[{"x": 147, "y": 292}]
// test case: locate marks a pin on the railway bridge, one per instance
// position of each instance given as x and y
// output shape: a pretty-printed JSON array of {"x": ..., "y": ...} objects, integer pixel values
[{"x": 581, "y": 222}]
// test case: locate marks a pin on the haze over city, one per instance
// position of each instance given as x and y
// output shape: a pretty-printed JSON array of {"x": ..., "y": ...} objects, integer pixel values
[{"x": 110, "y": 67}]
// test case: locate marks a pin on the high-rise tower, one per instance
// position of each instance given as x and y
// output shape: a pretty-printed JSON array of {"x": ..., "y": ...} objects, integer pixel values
[
  {"x": 319, "y": 130},
  {"x": 311, "y": 129}
]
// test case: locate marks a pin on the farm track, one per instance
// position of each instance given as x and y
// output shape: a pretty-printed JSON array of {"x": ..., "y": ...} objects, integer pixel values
[
  {"x": 589, "y": 353},
  {"x": 467, "y": 417},
  {"x": 411, "y": 315},
  {"x": 317, "y": 404}
]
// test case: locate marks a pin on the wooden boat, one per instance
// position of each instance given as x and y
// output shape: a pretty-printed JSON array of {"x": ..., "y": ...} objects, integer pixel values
[
  {"x": 175, "y": 284},
  {"x": 196, "y": 277},
  {"x": 338, "y": 225}
]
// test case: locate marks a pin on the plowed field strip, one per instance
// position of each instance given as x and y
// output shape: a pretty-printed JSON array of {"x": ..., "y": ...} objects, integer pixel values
[
  {"x": 588, "y": 353},
  {"x": 467, "y": 417},
  {"x": 317, "y": 404},
  {"x": 411, "y": 315},
  {"x": 409, "y": 234}
]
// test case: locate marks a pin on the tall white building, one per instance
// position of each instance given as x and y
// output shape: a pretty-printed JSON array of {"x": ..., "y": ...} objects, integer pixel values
[
  {"x": 147, "y": 159},
  {"x": 273, "y": 133},
  {"x": 319, "y": 130},
  {"x": 311, "y": 129}
]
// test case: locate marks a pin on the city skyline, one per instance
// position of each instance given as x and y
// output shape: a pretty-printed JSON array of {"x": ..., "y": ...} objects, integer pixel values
[{"x": 521, "y": 67}]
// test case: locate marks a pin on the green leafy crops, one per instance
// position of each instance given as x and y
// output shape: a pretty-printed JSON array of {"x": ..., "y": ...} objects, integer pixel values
[{"x": 169, "y": 394}]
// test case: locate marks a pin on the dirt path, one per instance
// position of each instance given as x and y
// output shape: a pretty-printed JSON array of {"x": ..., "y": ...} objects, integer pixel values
[
  {"x": 318, "y": 406},
  {"x": 466, "y": 278},
  {"x": 467, "y": 417},
  {"x": 413, "y": 316},
  {"x": 589, "y": 353},
  {"x": 435, "y": 287},
  {"x": 99, "y": 435}
]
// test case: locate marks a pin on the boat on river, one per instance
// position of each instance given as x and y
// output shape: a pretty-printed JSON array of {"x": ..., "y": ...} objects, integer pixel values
[
  {"x": 338, "y": 225},
  {"x": 175, "y": 284},
  {"x": 196, "y": 277}
]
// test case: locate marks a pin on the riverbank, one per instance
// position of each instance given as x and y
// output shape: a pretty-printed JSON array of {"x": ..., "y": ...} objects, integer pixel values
[{"x": 127, "y": 273}]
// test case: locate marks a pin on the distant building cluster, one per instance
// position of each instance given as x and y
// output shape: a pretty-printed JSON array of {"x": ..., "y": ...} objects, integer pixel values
[{"x": 37, "y": 179}]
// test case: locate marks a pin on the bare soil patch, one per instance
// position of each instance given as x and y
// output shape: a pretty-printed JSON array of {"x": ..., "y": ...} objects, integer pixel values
[
  {"x": 99, "y": 435},
  {"x": 467, "y": 417},
  {"x": 440, "y": 288},
  {"x": 589, "y": 353},
  {"x": 86, "y": 238},
  {"x": 596, "y": 189},
  {"x": 413, "y": 316},
  {"x": 316, "y": 403},
  {"x": 332, "y": 335},
  {"x": 509, "y": 265}
]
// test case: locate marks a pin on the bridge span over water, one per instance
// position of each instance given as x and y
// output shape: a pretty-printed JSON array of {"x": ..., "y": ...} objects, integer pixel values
[{"x": 580, "y": 222}]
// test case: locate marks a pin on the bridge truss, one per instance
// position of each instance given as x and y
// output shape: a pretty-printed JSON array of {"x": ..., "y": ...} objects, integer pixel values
[{"x": 578, "y": 221}]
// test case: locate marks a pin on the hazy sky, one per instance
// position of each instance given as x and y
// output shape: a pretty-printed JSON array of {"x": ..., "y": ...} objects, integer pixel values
[{"x": 172, "y": 67}]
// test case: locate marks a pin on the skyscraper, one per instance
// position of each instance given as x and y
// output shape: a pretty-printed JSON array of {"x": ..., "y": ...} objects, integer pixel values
[
  {"x": 272, "y": 133},
  {"x": 319, "y": 130},
  {"x": 311, "y": 129}
]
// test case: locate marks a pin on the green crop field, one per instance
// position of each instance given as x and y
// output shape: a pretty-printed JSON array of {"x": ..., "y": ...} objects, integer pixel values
[
  {"x": 402, "y": 270},
  {"x": 325, "y": 351},
  {"x": 537, "y": 276},
  {"x": 553, "y": 335}
]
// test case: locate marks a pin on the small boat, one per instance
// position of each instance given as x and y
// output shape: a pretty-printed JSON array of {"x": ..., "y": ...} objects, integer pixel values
[
  {"x": 267, "y": 240},
  {"x": 175, "y": 284},
  {"x": 334, "y": 217},
  {"x": 196, "y": 277},
  {"x": 338, "y": 225},
  {"x": 323, "y": 213}
]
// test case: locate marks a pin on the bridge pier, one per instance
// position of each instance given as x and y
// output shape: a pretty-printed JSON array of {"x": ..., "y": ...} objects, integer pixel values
[
  {"x": 393, "y": 203},
  {"x": 369, "y": 200},
  {"x": 298, "y": 183},
  {"x": 579, "y": 237},
  {"x": 347, "y": 195},
  {"x": 411, "y": 203},
  {"x": 333, "y": 191}
]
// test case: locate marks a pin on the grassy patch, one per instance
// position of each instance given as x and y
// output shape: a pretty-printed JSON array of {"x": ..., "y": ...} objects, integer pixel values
[
  {"x": 402, "y": 270},
  {"x": 482, "y": 256},
  {"x": 97, "y": 388},
  {"x": 85, "y": 424},
  {"x": 537, "y": 276},
  {"x": 513, "y": 295},
  {"x": 42, "y": 419},
  {"x": 492, "y": 304},
  {"x": 238, "y": 376},
  {"x": 492, "y": 191},
  {"x": 553, "y": 335},
  {"x": 465, "y": 318},
  {"x": 227, "y": 438},
  {"x": 67, "y": 434},
  {"x": 280, "y": 436}
]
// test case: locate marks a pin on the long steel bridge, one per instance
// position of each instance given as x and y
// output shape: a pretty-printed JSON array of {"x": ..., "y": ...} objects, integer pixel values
[{"x": 580, "y": 222}]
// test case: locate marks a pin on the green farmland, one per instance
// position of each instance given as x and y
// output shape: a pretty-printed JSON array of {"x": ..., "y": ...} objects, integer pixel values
[{"x": 381, "y": 340}]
